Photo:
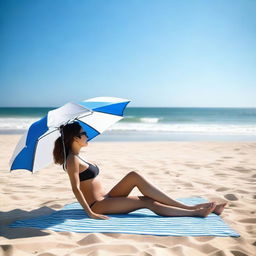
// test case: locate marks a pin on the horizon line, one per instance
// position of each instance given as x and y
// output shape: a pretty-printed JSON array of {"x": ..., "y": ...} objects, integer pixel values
[{"x": 127, "y": 107}]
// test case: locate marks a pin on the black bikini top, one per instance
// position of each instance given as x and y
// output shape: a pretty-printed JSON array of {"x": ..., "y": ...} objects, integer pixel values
[{"x": 91, "y": 172}]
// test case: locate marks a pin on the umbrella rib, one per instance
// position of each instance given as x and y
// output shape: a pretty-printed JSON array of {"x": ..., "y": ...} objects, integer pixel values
[
  {"x": 56, "y": 128},
  {"x": 91, "y": 112},
  {"x": 114, "y": 114},
  {"x": 108, "y": 113},
  {"x": 36, "y": 147},
  {"x": 34, "y": 153}
]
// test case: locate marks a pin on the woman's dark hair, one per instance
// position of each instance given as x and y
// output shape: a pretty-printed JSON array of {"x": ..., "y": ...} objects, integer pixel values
[{"x": 68, "y": 132}]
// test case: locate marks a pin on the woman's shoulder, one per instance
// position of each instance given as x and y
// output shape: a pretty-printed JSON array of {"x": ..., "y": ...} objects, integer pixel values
[{"x": 71, "y": 161}]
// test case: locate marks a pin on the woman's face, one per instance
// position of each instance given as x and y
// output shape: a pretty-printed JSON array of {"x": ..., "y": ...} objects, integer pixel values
[{"x": 83, "y": 140}]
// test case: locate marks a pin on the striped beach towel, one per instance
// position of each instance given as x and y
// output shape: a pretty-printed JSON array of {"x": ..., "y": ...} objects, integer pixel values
[{"x": 73, "y": 218}]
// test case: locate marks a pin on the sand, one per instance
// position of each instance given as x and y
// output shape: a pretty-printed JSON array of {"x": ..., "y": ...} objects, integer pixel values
[{"x": 223, "y": 171}]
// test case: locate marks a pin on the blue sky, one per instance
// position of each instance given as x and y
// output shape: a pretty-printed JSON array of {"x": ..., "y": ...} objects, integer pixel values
[{"x": 154, "y": 53}]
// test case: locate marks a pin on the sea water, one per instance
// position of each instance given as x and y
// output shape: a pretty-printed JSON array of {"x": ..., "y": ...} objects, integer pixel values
[{"x": 156, "y": 124}]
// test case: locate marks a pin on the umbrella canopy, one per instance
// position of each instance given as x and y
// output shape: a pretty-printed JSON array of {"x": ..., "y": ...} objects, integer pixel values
[{"x": 34, "y": 151}]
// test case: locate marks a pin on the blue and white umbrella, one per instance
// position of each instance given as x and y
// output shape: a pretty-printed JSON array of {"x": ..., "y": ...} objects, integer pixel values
[{"x": 35, "y": 149}]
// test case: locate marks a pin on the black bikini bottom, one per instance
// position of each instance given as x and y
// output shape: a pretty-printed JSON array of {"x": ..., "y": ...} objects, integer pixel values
[{"x": 97, "y": 201}]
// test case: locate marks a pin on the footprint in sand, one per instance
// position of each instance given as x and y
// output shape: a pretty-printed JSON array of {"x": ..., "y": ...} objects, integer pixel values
[
  {"x": 242, "y": 191},
  {"x": 193, "y": 166},
  {"x": 221, "y": 174},
  {"x": 241, "y": 169},
  {"x": 90, "y": 239},
  {"x": 221, "y": 189},
  {"x": 188, "y": 184},
  {"x": 7, "y": 248},
  {"x": 160, "y": 245},
  {"x": 231, "y": 197},
  {"x": 239, "y": 253},
  {"x": 248, "y": 220}
]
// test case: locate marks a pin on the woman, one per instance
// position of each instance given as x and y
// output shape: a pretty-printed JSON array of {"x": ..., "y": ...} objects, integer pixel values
[{"x": 88, "y": 189}]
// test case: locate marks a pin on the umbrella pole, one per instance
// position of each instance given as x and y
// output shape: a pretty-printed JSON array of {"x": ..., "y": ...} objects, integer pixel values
[{"x": 64, "y": 150}]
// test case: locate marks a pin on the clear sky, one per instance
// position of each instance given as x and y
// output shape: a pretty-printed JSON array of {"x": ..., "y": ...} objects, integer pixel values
[{"x": 183, "y": 53}]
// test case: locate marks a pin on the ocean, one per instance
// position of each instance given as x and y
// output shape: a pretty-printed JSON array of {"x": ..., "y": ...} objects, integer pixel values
[{"x": 156, "y": 124}]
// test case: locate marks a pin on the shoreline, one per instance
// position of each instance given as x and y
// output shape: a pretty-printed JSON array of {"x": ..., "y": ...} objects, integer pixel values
[{"x": 137, "y": 136}]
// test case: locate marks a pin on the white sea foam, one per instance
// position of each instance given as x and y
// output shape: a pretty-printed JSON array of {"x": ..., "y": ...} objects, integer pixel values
[
  {"x": 194, "y": 128},
  {"x": 149, "y": 120},
  {"x": 151, "y": 125},
  {"x": 17, "y": 123}
]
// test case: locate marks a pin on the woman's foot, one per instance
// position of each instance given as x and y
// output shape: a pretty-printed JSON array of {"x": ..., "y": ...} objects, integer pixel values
[
  {"x": 219, "y": 208},
  {"x": 204, "y": 205},
  {"x": 204, "y": 212}
]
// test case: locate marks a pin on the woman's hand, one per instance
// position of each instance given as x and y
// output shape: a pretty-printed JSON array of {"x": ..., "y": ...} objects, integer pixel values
[{"x": 98, "y": 216}]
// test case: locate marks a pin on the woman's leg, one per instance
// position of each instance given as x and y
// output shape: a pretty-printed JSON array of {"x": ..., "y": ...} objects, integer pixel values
[
  {"x": 121, "y": 205},
  {"x": 132, "y": 179}
]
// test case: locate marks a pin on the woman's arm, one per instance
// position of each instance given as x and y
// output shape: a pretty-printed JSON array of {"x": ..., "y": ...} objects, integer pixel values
[
  {"x": 80, "y": 198},
  {"x": 73, "y": 172}
]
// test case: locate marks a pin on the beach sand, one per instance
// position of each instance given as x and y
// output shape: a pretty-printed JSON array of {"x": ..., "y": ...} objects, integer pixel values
[{"x": 223, "y": 171}]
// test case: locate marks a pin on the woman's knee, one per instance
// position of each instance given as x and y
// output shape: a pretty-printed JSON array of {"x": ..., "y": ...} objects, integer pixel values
[
  {"x": 133, "y": 178},
  {"x": 148, "y": 202},
  {"x": 133, "y": 174}
]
